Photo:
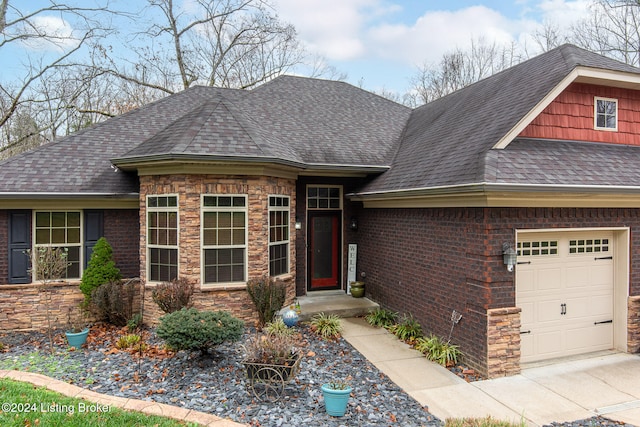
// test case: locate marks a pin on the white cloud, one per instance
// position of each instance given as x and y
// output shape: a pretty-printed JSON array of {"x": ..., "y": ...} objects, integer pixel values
[{"x": 59, "y": 34}]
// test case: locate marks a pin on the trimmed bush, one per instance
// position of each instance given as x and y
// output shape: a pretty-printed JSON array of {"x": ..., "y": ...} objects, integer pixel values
[
  {"x": 100, "y": 270},
  {"x": 268, "y": 296},
  {"x": 113, "y": 302},
  {"x": 191, "y": 329},
  {"x": 173, "y": 296}
]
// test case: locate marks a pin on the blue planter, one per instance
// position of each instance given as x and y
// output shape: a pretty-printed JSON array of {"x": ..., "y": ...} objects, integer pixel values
[
  {"x": 335, "y": 401},
  {"x": 76, "y": 339}
]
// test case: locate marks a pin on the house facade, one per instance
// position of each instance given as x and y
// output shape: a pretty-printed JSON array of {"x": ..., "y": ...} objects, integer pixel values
[{"x": 219, "y": 186}]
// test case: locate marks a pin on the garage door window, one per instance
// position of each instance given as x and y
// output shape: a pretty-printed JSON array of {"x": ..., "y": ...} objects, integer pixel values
[
  {"x": 588, "y": 246},
  {"x": 538, "y": 248}
]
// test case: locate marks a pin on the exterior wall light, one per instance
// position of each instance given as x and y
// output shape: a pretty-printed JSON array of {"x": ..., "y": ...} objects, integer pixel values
[
  {"x": 298, "y": 224},
  {"x": 509, "y": 256},
  {"x": 353, "y": 224}
]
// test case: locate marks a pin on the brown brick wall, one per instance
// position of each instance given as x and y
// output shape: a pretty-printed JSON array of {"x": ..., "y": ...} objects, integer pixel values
[
  {"x": 121, "y": 229},
  {"x": 429, "y": 262},
  {"x": 4, "y": 246},
  {"x": 190, "y": 188}
]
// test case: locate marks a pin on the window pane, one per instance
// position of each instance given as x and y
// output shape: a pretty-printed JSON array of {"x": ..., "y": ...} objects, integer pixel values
[
  {"x": 224, "y": 237},
  {"x": 73, "y": 219},
  {"x": 42, "y": 219},
  {"x": 58, "y": 235},
  {"x": 58, "y": 219},
  {"x": 238, "y": 236},
  {"x": 73, "y": 235},
  {"x": 42, "y": 237},
  {"x": 224, "y": 219},
  {"x": 210, "y": 237},
  {"x": 210, "y": 219}
]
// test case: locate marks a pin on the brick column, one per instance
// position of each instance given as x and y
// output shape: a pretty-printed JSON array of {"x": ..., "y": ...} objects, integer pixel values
[{"x": 503, "y": 342}]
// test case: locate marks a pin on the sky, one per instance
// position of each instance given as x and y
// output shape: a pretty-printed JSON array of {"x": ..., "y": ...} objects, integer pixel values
[{"x": 380, "y": 44}]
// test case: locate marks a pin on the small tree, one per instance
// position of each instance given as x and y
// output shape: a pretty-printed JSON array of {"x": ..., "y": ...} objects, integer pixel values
[
  {"x": 49, "y": 264},
  {"x": 268, "y": 295},
  {"x": 101, "y": 269}
]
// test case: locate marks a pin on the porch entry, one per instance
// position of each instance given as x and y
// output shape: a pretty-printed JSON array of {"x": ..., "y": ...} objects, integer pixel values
[{"x": 324, "y": 250}]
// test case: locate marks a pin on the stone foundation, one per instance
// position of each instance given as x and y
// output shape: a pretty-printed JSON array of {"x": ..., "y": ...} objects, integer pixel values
[
  {"x": 633, "y": 324},
  {"x": 503, "y": 342},
  {"x": 24, "y": 307}
]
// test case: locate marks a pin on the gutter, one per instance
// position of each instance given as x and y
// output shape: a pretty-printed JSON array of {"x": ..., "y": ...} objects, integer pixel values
[
  {"x": 486, "y": 187},
  {"x": 57, "y": 195}
]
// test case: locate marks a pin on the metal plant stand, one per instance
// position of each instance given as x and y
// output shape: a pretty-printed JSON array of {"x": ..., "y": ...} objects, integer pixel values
[{"x": 268, "y": 381}]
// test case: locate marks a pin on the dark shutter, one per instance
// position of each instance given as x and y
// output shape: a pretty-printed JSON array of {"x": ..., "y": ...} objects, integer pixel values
[
  {"x": 19, "y": 242},
  {"x": 93, "y": 230}
]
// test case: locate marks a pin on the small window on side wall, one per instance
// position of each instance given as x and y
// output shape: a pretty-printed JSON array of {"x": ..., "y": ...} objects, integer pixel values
[{"x": 606, "y": 114}]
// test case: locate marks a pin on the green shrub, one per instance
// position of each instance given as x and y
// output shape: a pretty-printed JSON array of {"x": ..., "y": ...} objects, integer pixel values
[
  {"x": 113, "y": 302},
  {"x": 268, "y": 295},
  {"x": 127, "y": 341},
  {"x": 174, "y": 295},
  {"x": 438, "y": 350},
  {"x": 381, "y": 317},
  {"x": 135, "y": 322},
  {"x": 277, "y": 327},
  {"x": 191, "y": 329},
  {"x": 100, "y": 270},
  {"x": 408, "y": 329},
  {"x": 327, "y": 326}
]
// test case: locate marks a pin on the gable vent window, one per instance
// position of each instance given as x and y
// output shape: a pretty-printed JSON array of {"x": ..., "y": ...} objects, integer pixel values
[{"x": 606, "y": 113}]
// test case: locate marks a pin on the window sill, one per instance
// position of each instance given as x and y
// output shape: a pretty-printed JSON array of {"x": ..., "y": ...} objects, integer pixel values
[{"x": 223, "y": 287}]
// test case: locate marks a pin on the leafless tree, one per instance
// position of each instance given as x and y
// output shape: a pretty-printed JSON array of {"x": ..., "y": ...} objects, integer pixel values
[
  {"x": 460, "y": 68},
  {"x": 49, "y": 39},
  {"x": 612, "y": 29},
  {"x": 223, "y": 43}
]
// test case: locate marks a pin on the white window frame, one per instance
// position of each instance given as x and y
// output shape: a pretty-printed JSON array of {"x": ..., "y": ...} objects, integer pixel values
[
  {"x": 285, "y": 241},
  {"x": 245, "y": 246},
  {"x": 169, "y": 209},
  {"x": 79, "y": 245},
  {"x": 319, "y": 186},
  {"x": 595, "y": 114}
]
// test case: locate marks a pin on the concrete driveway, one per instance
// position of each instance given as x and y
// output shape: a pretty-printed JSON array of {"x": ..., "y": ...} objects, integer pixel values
[{"x": 606, "y": 384}]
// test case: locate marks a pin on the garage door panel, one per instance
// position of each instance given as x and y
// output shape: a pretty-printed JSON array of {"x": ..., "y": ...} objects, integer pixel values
[
  {"x": 564, "y": 294},
  {"x": 547, "y": 278},
  {"x": 589, "y": 337}
]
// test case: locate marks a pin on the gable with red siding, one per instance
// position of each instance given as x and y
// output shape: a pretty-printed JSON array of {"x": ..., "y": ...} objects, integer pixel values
[{"x": 570, "y": 116}]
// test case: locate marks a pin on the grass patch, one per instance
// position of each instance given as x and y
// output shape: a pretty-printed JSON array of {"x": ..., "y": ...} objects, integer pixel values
[
  {"x": 24, "y": 404},
  {"x": 480, "y": 422},
  {"x": 52, "y": 365}
]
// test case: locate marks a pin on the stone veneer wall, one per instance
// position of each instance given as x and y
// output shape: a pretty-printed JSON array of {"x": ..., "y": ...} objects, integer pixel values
[
  {"x": 503, "y": 342},
  {"x": 23, "y": 307},
  {"x": 189, "y": 189},
  {"x": 633, "y": 324}
]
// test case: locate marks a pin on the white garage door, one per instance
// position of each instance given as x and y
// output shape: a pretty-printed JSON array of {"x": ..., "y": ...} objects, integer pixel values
[{"x": 564, "y": 286}]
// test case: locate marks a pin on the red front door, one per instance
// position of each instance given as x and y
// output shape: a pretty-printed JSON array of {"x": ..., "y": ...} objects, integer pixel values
[{"x": 324, "y": 251}]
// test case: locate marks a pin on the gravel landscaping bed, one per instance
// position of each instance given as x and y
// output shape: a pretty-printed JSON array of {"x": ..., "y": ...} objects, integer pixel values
[{"x": 216, "y": 382}]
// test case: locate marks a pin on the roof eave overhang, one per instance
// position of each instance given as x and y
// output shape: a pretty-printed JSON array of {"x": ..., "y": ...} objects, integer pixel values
[
  {"x": 69, "y": 200},
  {"x": 504, "y": 195},
  {"x": 579, "y": 74},
  {"x": 233, "y": 165}
]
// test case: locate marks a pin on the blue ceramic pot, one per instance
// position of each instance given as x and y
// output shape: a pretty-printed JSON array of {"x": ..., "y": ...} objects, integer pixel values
[
  {"x": 335, "y": 401},
  {"x": 76, "y": 339}
]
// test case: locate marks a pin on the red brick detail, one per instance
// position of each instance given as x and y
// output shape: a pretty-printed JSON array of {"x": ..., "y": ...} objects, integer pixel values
[{"x": 571, "y": 116}]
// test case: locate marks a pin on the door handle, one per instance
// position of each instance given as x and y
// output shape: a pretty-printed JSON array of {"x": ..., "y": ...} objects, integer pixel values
[
  {"x": 563, "y": 309},
  {"x": 604, "y": 257}
]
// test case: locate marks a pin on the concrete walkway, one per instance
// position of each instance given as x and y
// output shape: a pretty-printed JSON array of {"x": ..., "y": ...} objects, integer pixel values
[
  {"x": 604, "y": 384},
  {"x": 150, "y": 408}
]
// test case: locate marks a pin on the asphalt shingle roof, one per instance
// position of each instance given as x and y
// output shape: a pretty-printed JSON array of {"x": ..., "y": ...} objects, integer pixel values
[{"x": 310, "y": 122}]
